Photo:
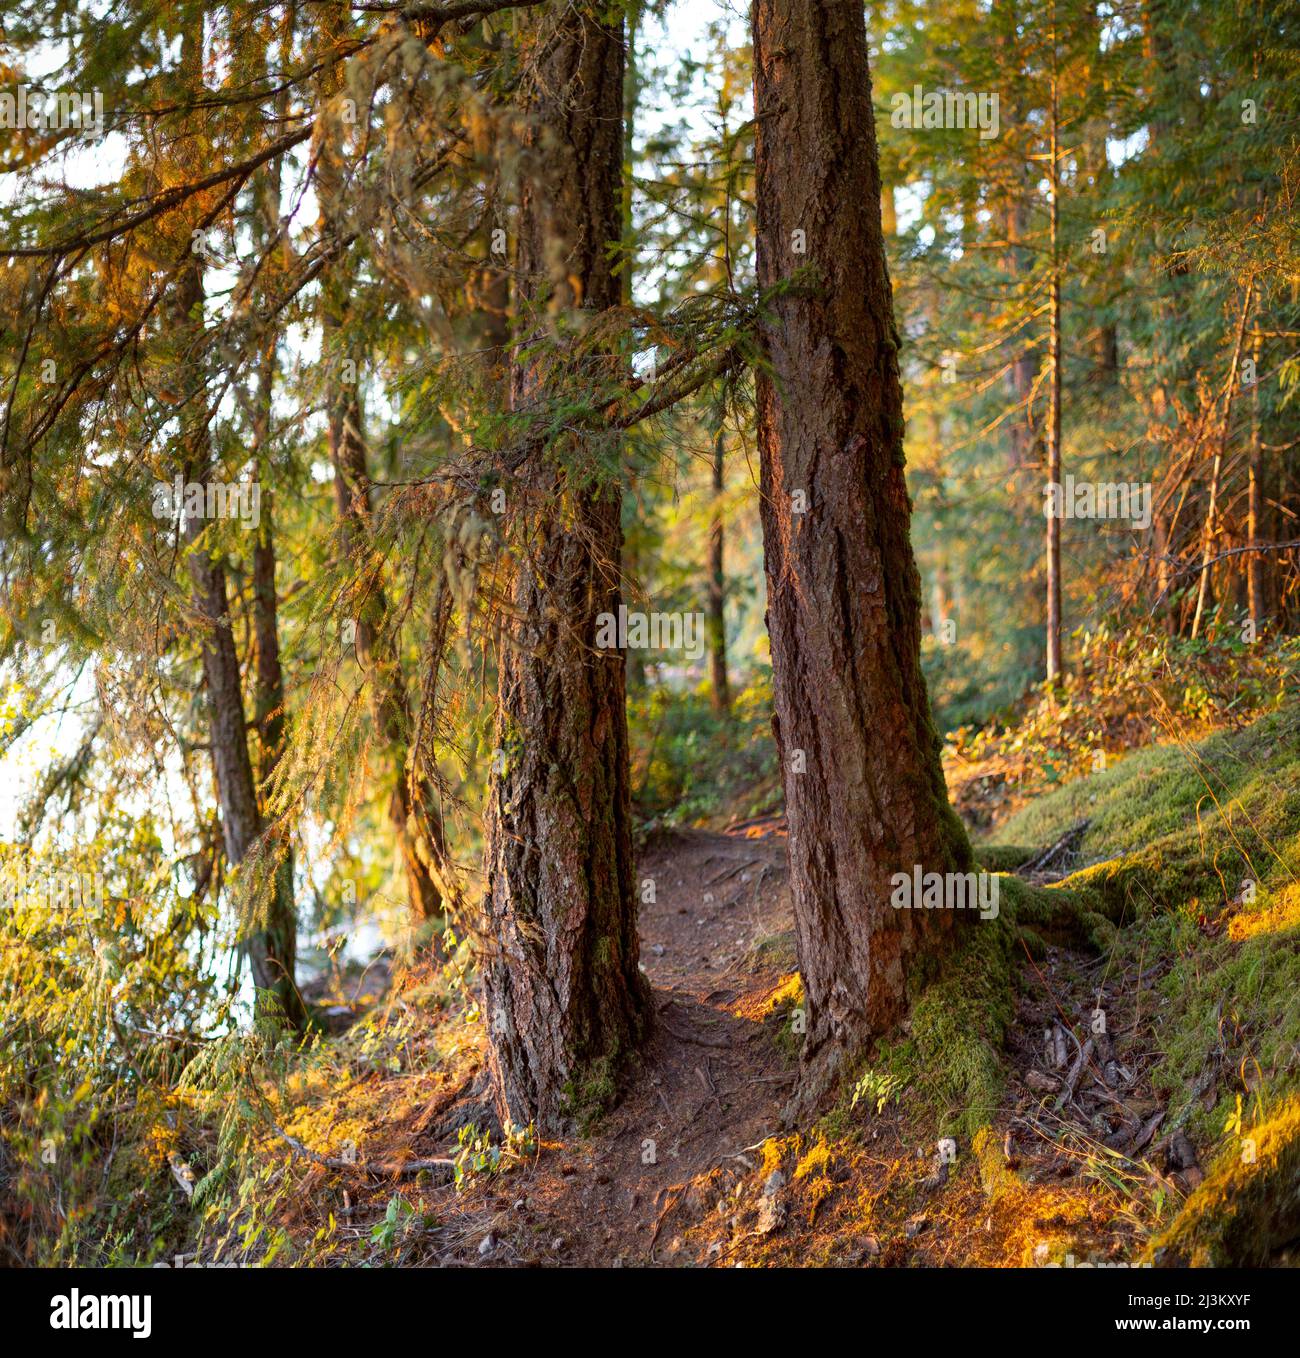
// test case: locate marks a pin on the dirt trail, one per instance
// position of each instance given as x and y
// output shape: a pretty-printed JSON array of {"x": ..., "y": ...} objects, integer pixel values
[{"x": 711, "y": 1084}]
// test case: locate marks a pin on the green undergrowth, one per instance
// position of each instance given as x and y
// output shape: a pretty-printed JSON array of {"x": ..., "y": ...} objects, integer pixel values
[
  {"x": 1200, "y": 868},
  {"x": 1235, "y": 789},
  {"x": 948, "y": 1061},
  {"x": 692, "y": 765}
]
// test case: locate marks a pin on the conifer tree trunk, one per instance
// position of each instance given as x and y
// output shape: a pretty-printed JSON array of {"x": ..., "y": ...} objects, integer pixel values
[
  {"x": 414, "y": 811},
  {"x": 720, "y": 689},
  {"x": 270, "y": 941},
  {"x": 1054, "y": 668},
  {"x": 268, "y": 692},
  {"x": 564, "y": 998},
  {"x": 865, "y": 794},
  {"x": 1256, "y": 526}
]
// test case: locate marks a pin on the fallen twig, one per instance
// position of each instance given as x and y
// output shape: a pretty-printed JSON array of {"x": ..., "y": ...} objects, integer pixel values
[{"x": 440, "y": 1163}]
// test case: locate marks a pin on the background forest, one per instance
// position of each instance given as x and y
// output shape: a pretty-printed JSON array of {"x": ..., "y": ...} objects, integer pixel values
[{"x": 354, "y": 358}]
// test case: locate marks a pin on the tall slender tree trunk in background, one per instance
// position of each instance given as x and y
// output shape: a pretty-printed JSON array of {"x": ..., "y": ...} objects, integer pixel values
[
  {"x": 1095, "y": 165},
  {"x": 631, "y": 100},
  {"x": 1022, "y": 370},
  {"x": 864, "y": 789},
  {"x": 414, "y": 811},
  {"x": 1054, "y": 670},
  {"x": 720, "y": 689},
  {"x": 1170, "y": 85},
  {"x": 413, "y": 807},
  {"x": 1216, "y": 469},
  {"x": 1256, "y": 528},
  {"x": 270, "y": 940},
  {"x": 268, "y": 694},
  {"x": 636, "y": 666},
  {"x": 488, "y": 293},
  {"x": 565, "y": 1002}
]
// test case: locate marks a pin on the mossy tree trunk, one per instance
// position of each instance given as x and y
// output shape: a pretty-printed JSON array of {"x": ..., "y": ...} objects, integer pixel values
[
  {"x": 564, "y": 998},
  {"x": 864, "y": 789}
]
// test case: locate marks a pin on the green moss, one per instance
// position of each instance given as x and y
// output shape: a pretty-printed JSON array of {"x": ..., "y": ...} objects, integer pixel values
[
  {"x": 589, "y": 1095},
  {"x": 1174, "y": 834},
  {"x": 1229, "y": 994},
  {"x": 1168, "y": 873},
  {"x": 1058, "y": 914},
  {"x": 776, "y": 952},
  {"x": 1247, "y": 1208},
  {"x": 1192, "y": 865},
  {"x": 779, "y": 1012}
]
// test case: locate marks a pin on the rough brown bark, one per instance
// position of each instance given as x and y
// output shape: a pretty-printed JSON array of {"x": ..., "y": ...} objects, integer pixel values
[
  {"x": 844, "y": 598},
  {"x": 564, "y": 998}
]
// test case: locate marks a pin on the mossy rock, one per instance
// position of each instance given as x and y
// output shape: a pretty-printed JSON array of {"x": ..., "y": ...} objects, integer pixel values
[
  {"x": 997, "y": 1178},
  {"x": 1057, "y": 913},
  {"x": 1246, "y": 1209},
  {"x": 1163, "y": 876},
  {"x": 1003, "y": 857}
]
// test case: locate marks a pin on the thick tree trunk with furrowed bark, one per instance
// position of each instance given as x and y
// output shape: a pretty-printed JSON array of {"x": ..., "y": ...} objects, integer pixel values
[
  {"x": 865, "y": 794},
  {"x": 564, "y": 998}
]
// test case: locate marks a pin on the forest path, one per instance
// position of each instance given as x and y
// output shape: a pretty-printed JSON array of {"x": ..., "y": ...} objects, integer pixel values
[{"x": 715, "y": 947}]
